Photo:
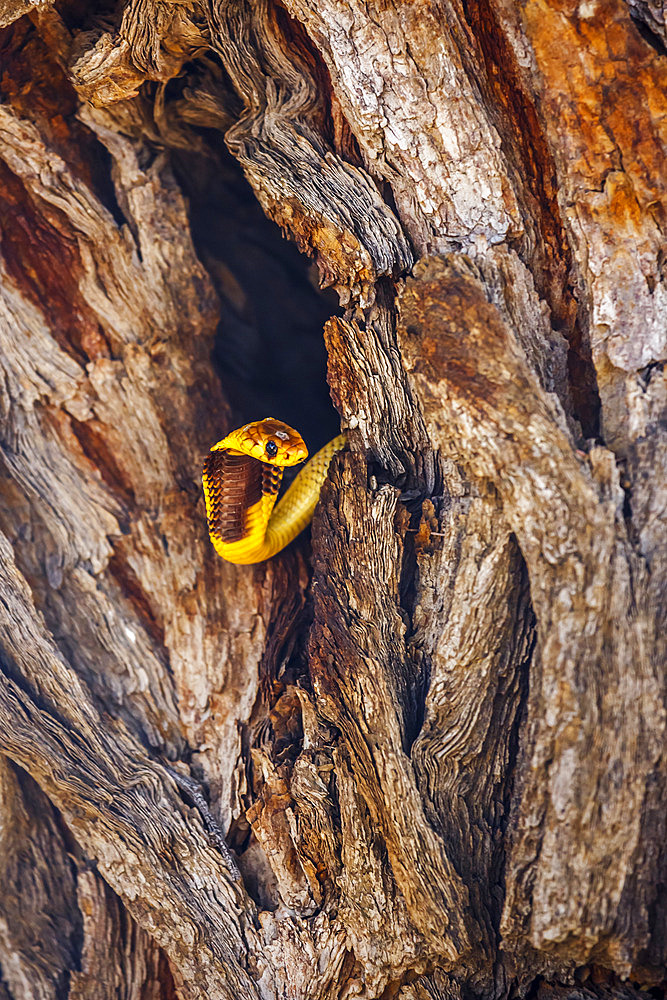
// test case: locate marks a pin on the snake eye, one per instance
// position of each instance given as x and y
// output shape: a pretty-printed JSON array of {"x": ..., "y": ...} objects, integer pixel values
[{"x": 271, "y": 449}]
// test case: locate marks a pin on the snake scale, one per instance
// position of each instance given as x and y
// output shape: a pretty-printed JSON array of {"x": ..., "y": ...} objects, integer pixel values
[{"x": 242, "y": 477}]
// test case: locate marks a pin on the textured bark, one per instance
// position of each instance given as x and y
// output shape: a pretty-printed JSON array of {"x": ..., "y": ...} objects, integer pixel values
[{"x": 420, "y": 754}]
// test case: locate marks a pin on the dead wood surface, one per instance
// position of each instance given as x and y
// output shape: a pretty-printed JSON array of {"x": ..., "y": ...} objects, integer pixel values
[{"x": 432, "y": 731}]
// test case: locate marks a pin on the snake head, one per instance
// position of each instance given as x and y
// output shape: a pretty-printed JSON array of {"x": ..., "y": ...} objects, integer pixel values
[{"x": 268, "y": 440}]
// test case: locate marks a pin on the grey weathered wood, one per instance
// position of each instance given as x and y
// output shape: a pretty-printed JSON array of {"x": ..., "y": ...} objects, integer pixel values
[
  {"x": 589, "y": 762},
  {"x": 434, "y": 738}
]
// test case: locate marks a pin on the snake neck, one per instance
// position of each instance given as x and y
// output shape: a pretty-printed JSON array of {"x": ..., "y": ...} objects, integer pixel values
[{"x": 296, "y": 508}]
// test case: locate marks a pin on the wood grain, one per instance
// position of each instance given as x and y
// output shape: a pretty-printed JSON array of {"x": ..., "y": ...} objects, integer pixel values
[{"x": 432, "y": 732}]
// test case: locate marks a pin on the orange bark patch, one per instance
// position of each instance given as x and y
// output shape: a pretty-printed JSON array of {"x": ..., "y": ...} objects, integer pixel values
[
  {"x": 526, "y": 144},
  {"x": 341, "y": 385},
  {"x": 469, "y": 333},
  {"x": 603, "y": 91},
  {"x": 42, "y": 257},
  {"x": 622, "y": 201}
]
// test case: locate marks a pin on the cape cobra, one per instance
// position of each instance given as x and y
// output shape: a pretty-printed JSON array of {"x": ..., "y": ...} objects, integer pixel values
[{"x": 242, "y": 476}]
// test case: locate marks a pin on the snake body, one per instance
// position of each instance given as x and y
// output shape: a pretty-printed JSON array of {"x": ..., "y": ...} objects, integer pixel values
[{"x": 242, "y": 477}]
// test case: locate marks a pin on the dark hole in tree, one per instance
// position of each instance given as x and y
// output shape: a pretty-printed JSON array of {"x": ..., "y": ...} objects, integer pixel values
[{"x": 269, "y": 348}]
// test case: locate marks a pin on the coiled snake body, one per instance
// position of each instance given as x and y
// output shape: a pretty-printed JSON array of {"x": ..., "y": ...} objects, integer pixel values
[{"x": 242, "y": 477}]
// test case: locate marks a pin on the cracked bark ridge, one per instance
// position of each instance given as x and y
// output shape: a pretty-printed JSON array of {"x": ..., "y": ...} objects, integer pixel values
[
  {"x": 448, "y": 179},
  {"x": 152, "y": 42},
  {"x": 591, "y": 759},
  {"x": 415, "y": 682},
  {"x": 62, "y": 926}
]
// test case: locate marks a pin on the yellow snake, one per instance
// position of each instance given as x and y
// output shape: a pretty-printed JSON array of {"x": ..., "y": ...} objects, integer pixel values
[{"x": 242, "y": 476}]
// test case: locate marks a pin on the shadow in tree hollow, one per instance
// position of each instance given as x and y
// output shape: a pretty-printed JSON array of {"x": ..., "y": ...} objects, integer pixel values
[{"x": 269, "y": 348}]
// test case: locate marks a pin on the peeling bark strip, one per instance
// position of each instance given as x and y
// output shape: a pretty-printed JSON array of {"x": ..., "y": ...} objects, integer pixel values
[
  {"x": 592, "y": 752},
  {"x": 330, "y": 207}
]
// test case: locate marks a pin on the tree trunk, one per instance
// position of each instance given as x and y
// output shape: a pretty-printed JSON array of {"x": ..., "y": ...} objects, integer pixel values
[{"x": 420, "y": 754}]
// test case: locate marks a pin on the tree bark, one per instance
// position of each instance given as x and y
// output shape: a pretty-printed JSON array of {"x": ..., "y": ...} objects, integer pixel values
[{"x": 420, "y": 754}]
